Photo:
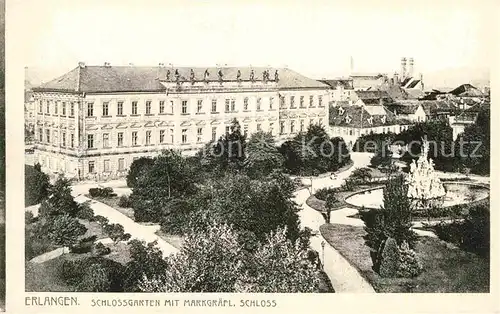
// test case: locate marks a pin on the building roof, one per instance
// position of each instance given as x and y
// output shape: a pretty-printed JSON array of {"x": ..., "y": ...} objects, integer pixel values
[
  {"x": 373, "y": 94},
  {"x": 466, "y": 90},
  {"x": 101, "y": 79},
  {"x": 403, "y": 108},
  {"x": 360, "y": 117},
  {"x": 367, "y": 75},
  {"x": 414, "y": 93},
  {"x": 334, "y": 83},
  {"x": 438, "y": 106}
]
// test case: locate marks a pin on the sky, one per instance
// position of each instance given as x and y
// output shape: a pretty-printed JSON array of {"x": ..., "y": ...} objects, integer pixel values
[{"x": 316, "y": 38}]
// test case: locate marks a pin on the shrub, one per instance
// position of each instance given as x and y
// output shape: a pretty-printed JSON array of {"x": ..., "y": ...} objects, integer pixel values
[
  {"x": 390, "y": 256},
  {"x": 28, "y": 217},
  {"x": 322, "y": 194},
  {"x": 409, "y": 263},
  {"x": 84, "y": 276},
  {"x": 116, "y": 232},
  {"x": 84, "y": 245},
  {"x": 101, "y": 219},
  {"x": 124, "y": 202},
  {"x": 137, "y": 167},
  {"x": 348, "y": 185},
  {"x": 99, "y": 249},
  {"x": 95, "y": 279},
  {"x": 102, "y": 192},
  {"x": 85, "y": 212}
]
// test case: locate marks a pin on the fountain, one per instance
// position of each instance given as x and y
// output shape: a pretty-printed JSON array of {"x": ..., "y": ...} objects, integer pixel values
[{"x": 424, "y": 186}]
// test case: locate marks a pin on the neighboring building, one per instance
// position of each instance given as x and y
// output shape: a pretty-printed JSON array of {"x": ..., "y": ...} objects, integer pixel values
[
  {"x": 351, "y": 122},
  {"x": 93, "y": 121},
  {"x": 364, "y": 81},
  {"x": 466, "y": 118},
  {"x": 408, "y": 110},
  {"x": 29, "y": 111},
  {"x": 371, "y": 97},
  {"x": 439, "y": 109},
  {"x": 341, "y": 91}
]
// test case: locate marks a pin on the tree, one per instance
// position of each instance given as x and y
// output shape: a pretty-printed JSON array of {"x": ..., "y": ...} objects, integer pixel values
[
  {"x": 392, "y": 220},
  {"x": 60, "y": 201},
  {"x": 228, "y": 153},
  {"x": 37, "y": 185},
  {"x": 382, "y": 157},
  {"x": 137, "y": 168},
  {"x": 145, "y": 260},
  {"x": 362, "y": 174},
  {"x": 208, "y": 262},
  {"x": 472, "y": 147},
  {"x": 116, "y": 232},
  {"x": 170, "y": 177},
  {"x": 95, "y": 279},
  {"x": 262, "y": 155},
  {"x": 62, "y": 229}
]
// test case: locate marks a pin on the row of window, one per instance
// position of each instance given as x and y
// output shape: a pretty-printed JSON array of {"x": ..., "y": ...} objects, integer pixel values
[
  {"x": 230, "y": 106},
  {"x": 65, "y": 141},
  {"x": 301, "y": 126},
  {"x": 350, "y": 131},
  {"x": 106, "y": 165}
]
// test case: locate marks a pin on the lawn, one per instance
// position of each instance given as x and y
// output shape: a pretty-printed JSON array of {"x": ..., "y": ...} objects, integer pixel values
[
  {"x": 47, "y": 277},
  {"x": 113, "y": 202},
  {"x": 446, "y": 268},
  {"x": 175, "y": 240}
]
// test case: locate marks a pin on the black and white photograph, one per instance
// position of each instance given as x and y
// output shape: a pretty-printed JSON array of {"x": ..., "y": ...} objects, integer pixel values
[{"x": 257, "y": 147}]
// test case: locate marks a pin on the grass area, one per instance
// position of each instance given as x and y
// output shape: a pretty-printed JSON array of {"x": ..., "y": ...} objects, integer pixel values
[
  {"x": 47, "y": 276},
  {"x": 175, "y": 240},
  {"x": 113, "y": 202},
  {"x": 319, "y": 205},
  {"x": 446, "y": 268},
  {"x": 93, "y": 228}
]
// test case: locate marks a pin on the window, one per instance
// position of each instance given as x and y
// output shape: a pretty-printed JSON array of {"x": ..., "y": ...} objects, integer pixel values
[
  {"x": 172, "y": 135},
  {"x": 162, "y": 106},
  {"x": 184, "y": 107},
  {"x": 120, "y": 108},
  {"x": 227, "y": 105},
  {"x": 148, "y": 107},
  {"x": 320, "y": 101},
  {"x": 134, "y": 107},
  {"x": 64, "y": 108},
  {"x": 233, "y": 105},
  {"x": 214, "y": 105},
  {"x": 56, "y": 106},
  {"x": 350, "y": 132},
  {"x": 148, "y": 137},
  {"x": 301, "y": 125},
  {"x": 245, "y": 129},
  {"x": 72, "y": 140},
  {"x": 271, "y": 128},
  {"x": 105, "y": 109},
  {"x": 311, "y": 121},
  {"x": 292, "y": 101},
  {"x": 282, "y": 127},
  {"x": 200, "y": 106},
  {"x": 184, "y": 136},
  {"x": 292, "y": 126},
  {"x": 162, "y": 136},
  {"x": 90, "y": 141},
  {"x": 214, "y": 133},
  {"x": 90, "y": 110},
  {"x": 301, "y": 101},
  {"x": 171, "y": 106},
  {"x": 54, "y": 138},
  {"x": 105, "y": 140},
  {"x": 245, "y": 104},
  {"x": 311, "y": 101},
  {"x": 40, "y": 106},
  {"x": 72, "y": 110},
  {"x": 120, "y": 139},
  {"x": 271, "y": 103},
  {"x": 47, "y": 136},
  {"x": 40, "y": 135},
  {"x": 63, "y": 139},
  {"x": 47, "y": 108},
  {"x": 282, "y": 101},
  {"x": 259, "y": 100},
  {"x": 91, "y": 166},
  {"x": 200, "y": 134},
  {"x": 134, "y": 138},
  {"x": 106, "y": 165},
  {"x": 121, "y": 164},
  {"x": 259, "y": 127}
]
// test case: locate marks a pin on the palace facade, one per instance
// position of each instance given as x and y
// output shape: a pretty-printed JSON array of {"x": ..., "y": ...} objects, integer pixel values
[{"x": 92, "y": 122}]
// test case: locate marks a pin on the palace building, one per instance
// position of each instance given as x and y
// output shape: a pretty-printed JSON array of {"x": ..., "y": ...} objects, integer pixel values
[{"x": 93, "y": 121}]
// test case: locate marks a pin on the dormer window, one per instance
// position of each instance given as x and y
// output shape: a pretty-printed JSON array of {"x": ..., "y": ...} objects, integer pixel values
[
  {"x": 341, "y": 111},
  {"x": 348, "y": 119},
  {"x": 370, "y": 120},
  {"x": 383, "y": 119}
]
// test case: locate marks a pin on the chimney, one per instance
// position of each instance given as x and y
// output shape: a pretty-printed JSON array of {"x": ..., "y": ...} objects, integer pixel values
[
  {"x": 107, "y": 64},
  {"x": 81, "y": 64},
  {"x": 410, "y": 67},
  {"x": 422, "y": 81},
  {"x": 161, "y": 65},
  {"x": 396, "y": 78},
  {"x": 403, "y": 68}
]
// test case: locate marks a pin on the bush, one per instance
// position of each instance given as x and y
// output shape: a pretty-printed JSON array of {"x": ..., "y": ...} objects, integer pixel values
[
  {"x": 29, "y": 218},
  {"x": 86, "y": 212},
  {"x": 95, "y": 279},
  {"x": 84, "y": 245},
  {"x": 348, "y": 185},
  {"x": 102, "y": 192},
  {"x": 409, "y": 263},
  {"x": 390, "y": 257},
  {"x": 125, "y": 202},
  {"x": 99, "y": 249},
  {"x": 137, "y": 167},
  {"x": 101, "y": 219},
  {"x": 77, "y": 273},
  {"x": 323, "y": 193}
]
